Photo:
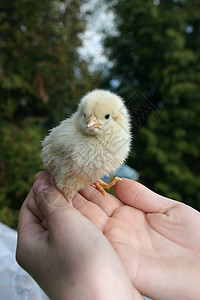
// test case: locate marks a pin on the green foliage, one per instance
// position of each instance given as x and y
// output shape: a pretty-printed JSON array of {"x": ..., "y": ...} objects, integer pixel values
[
  {"x": 157, "y": 52},
  {"x": 20, "y": 159},
  {"x": 41, "y": 81}
]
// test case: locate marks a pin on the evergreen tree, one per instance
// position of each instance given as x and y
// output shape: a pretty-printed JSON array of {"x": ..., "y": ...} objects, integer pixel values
[
  {"x": 41, "y": 80},
  {"x": 156, "y": 55}
]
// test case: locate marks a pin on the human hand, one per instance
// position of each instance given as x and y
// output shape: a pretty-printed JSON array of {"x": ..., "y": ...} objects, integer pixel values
[
  {"x": 157, "y": 239},
  {"x": 64, "y": 252}
]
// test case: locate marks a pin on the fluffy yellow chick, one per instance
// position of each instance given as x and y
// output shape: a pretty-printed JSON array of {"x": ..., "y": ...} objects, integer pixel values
[{"x": 90, "y": 144}]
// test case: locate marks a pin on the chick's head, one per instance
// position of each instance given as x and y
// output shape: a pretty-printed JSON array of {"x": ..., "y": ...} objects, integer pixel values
[{"x": 100, "y": 110}]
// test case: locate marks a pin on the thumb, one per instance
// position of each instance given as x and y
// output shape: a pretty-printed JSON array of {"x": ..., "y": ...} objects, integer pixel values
[
  {"x": 48, "y": 198},
  {"x": 138, "y": 196}
]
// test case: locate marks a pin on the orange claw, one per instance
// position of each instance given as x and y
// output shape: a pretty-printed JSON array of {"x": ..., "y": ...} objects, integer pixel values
[{"x": 100, "y": 184}]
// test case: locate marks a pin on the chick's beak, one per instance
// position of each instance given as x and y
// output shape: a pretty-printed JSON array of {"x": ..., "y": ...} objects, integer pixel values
[{"x": 92, "y": 122}]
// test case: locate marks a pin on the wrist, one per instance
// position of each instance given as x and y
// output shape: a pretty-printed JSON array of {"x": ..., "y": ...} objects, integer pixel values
[
  {"x": 102, "y": 282},
  {"x": 183, "y": 280},
  {"x": 191, "y": 279}
]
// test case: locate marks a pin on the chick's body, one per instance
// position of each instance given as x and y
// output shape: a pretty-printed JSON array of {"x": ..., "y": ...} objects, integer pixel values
[{"x": 90, "y": 144}]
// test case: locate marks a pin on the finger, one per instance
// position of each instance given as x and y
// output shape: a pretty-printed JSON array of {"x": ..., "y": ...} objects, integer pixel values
[
  {"x": 91, "y": 211},
  {"x": 48, "y": 197},
  {"x": 60, "y": 216},
  {"x": 32, "y": 206},
  {"x": 28, "y": 227},
  {"x": 26, "y": 218},
  {"x": 43, "y": 175},
  {"x": 138, "y": 196},
  {"x": 107, "y": 203}
]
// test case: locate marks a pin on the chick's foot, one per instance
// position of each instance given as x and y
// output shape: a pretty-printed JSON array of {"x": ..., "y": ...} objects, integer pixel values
[{"x": 100, "y": 185}]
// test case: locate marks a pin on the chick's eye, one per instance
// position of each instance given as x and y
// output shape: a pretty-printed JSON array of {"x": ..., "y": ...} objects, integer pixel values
[
  {"x": 84, "y": 115},
  {"x": 107, "y": 117}
]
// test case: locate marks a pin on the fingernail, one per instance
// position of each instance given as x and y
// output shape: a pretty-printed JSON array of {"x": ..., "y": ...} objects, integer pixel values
[{"x": 39, "y": 186}]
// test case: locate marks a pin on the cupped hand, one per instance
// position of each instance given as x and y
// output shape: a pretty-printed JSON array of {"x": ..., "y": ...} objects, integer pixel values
[
  {"x": 157, "y": 239},
  {"x": 65, "y": 253}
]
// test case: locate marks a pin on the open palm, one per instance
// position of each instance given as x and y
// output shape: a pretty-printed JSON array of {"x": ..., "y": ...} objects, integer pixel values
[{"x": 157, "y": 239}]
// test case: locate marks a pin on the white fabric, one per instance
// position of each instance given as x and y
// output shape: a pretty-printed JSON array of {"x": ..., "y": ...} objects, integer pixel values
[{"x": 15, "y": 283}]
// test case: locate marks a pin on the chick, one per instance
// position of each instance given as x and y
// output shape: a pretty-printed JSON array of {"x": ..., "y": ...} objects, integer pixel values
[{"x": 90, "y": 144}]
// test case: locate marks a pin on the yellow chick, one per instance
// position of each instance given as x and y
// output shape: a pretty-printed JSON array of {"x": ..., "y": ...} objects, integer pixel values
[{"x": 90, "y": 144}]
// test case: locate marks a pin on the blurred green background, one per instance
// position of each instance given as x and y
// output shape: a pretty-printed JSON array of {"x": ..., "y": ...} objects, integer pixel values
[{"x": 153, "y": 61}]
